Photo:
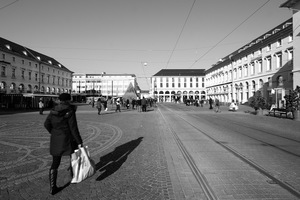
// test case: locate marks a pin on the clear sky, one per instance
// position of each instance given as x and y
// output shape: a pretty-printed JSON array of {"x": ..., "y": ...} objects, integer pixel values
[{"x": 119, "y": 36}]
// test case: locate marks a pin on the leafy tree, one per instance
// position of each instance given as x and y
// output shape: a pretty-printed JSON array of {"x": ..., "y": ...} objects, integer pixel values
[
  {"x": 257, "y": 101},
  {"x": 292, "y": 100}
]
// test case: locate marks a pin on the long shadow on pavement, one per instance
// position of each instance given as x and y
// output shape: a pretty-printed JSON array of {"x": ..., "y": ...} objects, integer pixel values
[{"x": 111, "y": 162}]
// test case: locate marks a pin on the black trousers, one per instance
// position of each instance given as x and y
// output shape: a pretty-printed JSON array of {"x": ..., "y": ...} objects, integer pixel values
[{"x": 55, "y": 162}]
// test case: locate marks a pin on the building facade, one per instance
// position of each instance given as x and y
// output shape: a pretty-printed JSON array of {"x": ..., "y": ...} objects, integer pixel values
[
  {"x": 169, "y": 85},
  {"x": 108, "y": 85},
  {"x": 294, "y": 6},
  {"x": 26, "y": 71},
  {"x": 264, "y": 64}
]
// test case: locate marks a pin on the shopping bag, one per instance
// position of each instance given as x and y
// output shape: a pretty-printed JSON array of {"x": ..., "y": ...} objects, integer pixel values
[{"x": 82, "y": 165}]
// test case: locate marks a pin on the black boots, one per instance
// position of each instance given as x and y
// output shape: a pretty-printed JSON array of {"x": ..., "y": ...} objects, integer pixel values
[{"x": 52, "y": 178}]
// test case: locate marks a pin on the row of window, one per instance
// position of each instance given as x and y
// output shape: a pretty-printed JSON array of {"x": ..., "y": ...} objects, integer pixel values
[
  {"x": 36, "y": 65},
  {"x": 256, "y": 67},
  {"x": 21, "y": 88},
  {"x": 247, "y": 86},
  {"x": 34, "y": 76},
  {"x": 179, "y": 85}
]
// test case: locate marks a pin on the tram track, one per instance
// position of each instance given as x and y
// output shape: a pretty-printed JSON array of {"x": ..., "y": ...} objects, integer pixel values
[
  {"x": 204, "y": 184},
  {"x": 296, "y": 142}
]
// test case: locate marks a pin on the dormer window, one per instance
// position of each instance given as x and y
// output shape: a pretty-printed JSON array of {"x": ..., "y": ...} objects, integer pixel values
[
  {"x": 38, "y": 57},
  {"x": 8, "y": 47},
  {"x": 50, "y": 62},
  {"x": 59, "y": 65},
  {"x": 276, "y": 30},
  {"x": 25, "y": 53}
]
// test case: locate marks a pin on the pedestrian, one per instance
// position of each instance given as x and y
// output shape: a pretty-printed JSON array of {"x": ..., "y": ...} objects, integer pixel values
[
  {"x": 99, "y": 106},
  {"x": 61, "y": 123},
  {"x": 138, "y": 104},
  {"x": 210, "y": 101},
  {"x": 105, "y": 104},
  {"x": 93, "y": 102},
  {"x": 127, "y": 103},
  {"x": 41, "y": 106},
  {"x": 133, "y": 103},
  {"x": 51, "y": 103},
  {"x": 118, "y": 105},
  {"x": 217, "y": 105},
  {"x": 144, "y": 104},
  {"x": 201, "y": 102}
]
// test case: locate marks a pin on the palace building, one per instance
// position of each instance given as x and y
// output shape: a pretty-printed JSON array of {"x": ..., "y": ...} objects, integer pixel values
[
  {"x": 265, "y": 64},
  {"x": 28, "y": 73},
  {"x": 169, "y": 85}
]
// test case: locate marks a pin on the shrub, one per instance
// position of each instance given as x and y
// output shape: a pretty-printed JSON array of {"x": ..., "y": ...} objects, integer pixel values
[
  {"x": 292, "y": 100},
  {"x": 257, "y": 101}
]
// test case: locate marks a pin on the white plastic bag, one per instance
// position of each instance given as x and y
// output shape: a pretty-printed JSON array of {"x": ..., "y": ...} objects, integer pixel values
[{"x": 82, "y": 165}]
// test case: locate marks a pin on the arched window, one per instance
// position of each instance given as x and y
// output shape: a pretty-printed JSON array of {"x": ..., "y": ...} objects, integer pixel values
[{"x": 2, "y": 85}]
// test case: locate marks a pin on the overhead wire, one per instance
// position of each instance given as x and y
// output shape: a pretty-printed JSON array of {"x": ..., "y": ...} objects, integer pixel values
[
  {"x": 8, "y": 5},
  {"x": 180, "y": 33},
  {"x": 214, "y": 46}
]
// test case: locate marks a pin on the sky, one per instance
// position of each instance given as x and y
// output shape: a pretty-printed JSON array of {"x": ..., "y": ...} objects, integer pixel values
[{"x": 138, "y": 37}]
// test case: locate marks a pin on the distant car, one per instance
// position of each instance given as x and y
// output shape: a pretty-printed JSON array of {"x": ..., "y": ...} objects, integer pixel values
[{"x": 233, "y": 107}]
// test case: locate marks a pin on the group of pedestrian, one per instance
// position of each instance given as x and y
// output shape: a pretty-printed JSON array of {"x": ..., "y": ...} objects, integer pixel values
[{"x": 99, "y": 104}]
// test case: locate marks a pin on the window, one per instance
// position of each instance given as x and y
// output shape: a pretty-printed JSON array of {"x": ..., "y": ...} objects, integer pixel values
[
  {"x": 279, "y": 42},
  {"x": 185, "y": 82},
  {"x": 23, "y": 74},
  {"x": 259, "y": 66},
  {"x": 240, "y": 72},
  {"x": 290, "y": 54},
  {"x": 29, "y": 75},
  {"x": 246, "y": 70},
  {"x": 252, "y": 68},
  {"x": 259, "y": 51},
  {"x": 269, "y": 47},
  {"x": 278, "y": 60},
  {"x": 234, "y": 74},
  {"x": 13, "y": 73},
  {"x": 3, "y": 56},
  {"x": 14, "y": 59},
  {"x": 3, "y": 71},
  {"x": 29, "y": 63},
  {"x": 36, "y": 77},
  {"x": 290, "y": 37},
  {"x": 23, "y": 62},
  {"x": 269, "y": 65}
]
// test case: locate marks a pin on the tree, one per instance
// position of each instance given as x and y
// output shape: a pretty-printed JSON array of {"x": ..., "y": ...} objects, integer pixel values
[
  {"x": 257, "y": 101},
  {"x": 292, "y": 100}
]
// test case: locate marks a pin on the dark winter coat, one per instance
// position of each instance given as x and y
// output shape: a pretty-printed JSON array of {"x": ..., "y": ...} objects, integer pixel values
[{"x": 61, "y": 123}]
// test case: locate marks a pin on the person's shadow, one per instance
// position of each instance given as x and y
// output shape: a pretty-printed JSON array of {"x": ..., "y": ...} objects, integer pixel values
[{"x": 111, "y": 162}]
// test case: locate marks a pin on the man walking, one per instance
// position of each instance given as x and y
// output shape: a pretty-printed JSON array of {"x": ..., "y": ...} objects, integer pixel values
[
  {"x": 217, "y": 105},
  {"x": 144, "y": 104},
  {"x": 41, "y": 106}
]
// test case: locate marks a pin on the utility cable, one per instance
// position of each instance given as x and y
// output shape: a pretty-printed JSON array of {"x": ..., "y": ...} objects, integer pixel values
[
  {"x": 8, "y": 5},
  {"x": 180, "y": 33},
  {"x": 209, "y": 50}
]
